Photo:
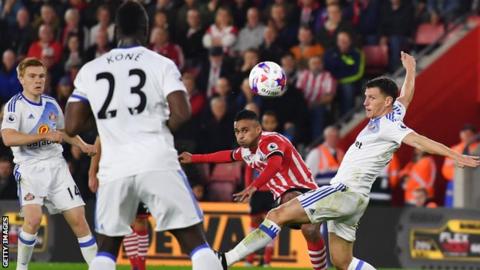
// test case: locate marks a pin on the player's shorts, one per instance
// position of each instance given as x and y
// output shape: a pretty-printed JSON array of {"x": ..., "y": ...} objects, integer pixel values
[
  {"x": 167, "y": 194},
  {"x": 261, "y": 202},
  {"x": 336, "y": 204},
  {"x": 49, "y": 183}
]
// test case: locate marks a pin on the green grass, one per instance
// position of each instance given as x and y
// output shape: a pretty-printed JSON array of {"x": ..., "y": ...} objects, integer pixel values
[{"x": 79, "y": 266}]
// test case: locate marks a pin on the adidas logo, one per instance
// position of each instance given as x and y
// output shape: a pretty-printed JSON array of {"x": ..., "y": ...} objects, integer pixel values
[
  {"x": 31, "y": 116},
  {"x": 312, "y": 211}
]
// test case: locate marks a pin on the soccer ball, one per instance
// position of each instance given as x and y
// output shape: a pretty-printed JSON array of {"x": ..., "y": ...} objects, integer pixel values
[{"x": 268, "y": 79}]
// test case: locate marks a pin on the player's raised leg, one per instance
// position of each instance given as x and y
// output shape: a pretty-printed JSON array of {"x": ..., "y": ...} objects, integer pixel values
[
  {"x": 75, "y": 217},
  {"x": 290, "y": 212},
  {"x": 28, "y": 235}
]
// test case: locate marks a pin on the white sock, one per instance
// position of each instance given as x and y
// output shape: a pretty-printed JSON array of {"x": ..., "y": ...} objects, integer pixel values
[
  {"x": 357, "y": 264},
  {"x": 88, "y": 247},
  {"x": 254, "y": 241},
  {"x": 103, "y": 261},
  {"x": 26, "y": 244},
  {"x": 203, "y": 258}
]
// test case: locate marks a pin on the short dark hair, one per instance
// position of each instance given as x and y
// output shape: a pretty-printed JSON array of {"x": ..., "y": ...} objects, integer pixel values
[
  {"x": 131, "y": 20},
  {"x": 386, "y": 85},
  {"x": 469, "y": 127},
  {"x": 246, "y": 115}
]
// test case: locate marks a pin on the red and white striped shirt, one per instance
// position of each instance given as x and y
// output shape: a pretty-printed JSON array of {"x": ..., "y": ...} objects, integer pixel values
[
  {"x": 294, "y": 172},
  {"x": 315, "y": 86},
  {"x": 172, "y": 51}
]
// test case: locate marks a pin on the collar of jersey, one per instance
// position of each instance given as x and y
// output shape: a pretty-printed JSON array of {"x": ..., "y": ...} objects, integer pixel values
[
  {"x": 31, "y": 102},
  {"x": 129, "y": 46}
]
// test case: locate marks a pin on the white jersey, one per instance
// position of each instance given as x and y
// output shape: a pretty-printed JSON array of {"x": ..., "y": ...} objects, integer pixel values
[
  {"x": 30, "y": 117},
  {"x": 127, "y": 90},
  {"x": 372, "y": 150}
]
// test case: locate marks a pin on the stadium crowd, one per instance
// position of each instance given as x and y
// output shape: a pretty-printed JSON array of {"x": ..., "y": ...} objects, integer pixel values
[{"x": 215, "y": 43}]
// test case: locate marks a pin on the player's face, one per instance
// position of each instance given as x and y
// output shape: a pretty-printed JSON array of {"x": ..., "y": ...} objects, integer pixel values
[
  {"x": 376, "y": 104},
  {"x": 247, "y": 132},
  {"x": 33, "y": 80}
]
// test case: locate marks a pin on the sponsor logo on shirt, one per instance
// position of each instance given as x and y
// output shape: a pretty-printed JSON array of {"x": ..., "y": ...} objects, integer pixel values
[
  {"x": 52, "y": 116},
  {"x": 28, "y": 197},
  {"x": 272, "y": 146},
  {"x": 11, "y": 118},
  {"x": 42, "y": 129}
]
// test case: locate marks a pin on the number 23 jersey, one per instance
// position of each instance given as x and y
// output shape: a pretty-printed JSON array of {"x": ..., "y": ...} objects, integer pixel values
[{"x": 127, "y": 90}]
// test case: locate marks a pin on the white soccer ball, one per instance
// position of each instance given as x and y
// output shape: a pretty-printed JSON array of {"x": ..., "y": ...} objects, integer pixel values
[{"x": 268, "y": 79}]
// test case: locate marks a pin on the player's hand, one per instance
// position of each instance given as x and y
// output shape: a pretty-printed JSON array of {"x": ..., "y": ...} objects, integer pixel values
[
  {"x": 408, "y": 61},
  {"x": 244, "y": 195},
  {"x": 185, "y": 158},
  {"x": 93, "y": 182},
  {"x": 89, "y": 149},
  {"x": 467, "y": 161},
  {"x": 54, "y": 136}
]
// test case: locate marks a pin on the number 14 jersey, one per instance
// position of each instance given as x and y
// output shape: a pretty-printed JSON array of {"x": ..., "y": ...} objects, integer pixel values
[{"x": 127, "y": 91}]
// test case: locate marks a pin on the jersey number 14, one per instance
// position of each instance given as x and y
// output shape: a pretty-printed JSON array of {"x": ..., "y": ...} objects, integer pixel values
[{"x": 104, "y": 113}]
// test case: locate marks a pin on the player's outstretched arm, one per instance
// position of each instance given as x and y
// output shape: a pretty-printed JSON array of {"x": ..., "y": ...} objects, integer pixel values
[
  {"x": 430, "y": 146},
  {"x": 408, "y": 88},
  {"x": 78, "y": 141},
  {"x": 94, "y": 164},
  {"x": 180, "y": 110},
  {"x": 12, "y": 137},
  {"x": 224, "y": 156},
  {"x": 78, "y": 118}
]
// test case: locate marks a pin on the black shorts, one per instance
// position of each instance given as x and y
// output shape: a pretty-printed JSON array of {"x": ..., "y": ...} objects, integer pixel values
[
  {"x": 261, "y": 202},
  {"x": 142, "y": 210}
]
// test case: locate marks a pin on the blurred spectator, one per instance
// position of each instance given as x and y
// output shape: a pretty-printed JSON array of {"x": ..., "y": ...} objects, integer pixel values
[
  {"x": 347, "y": 64},
  {"x": 8, "y": 187},
  {"x": 327, "y": 33},
  {"x": 73, "y": 27},
  {"x": 445, "y": 9},
  {"x": 246, "y": 95},
  {"x": 208, "y": 11},
  {"x": 49, "y": 17},
  {"x": 191, "y": 40},
  {"x": 251, "y": 36},
  {"x": 421, "y": 172},
  {"x": 160, "y": 43},
  {"x": 100, "y": 47},
  {"x": 64, "y": 90},
  {"x": 222, "y": 33},
  {"x": 216, "y": 131},
  {"x": 385, "y": 183},
  {"x": 9, "y": 84},
  {"x": 291, "y": 8},
  {"x": 181, "y": 21},
  {"x": 9, "y": 9},
  {"x": 103, "y": 23},
  {"x": 167, "y": 8},
  {"x": 252, "y": 107},
  {"x": 218, "y": 65},
  {"x": 286, "y": 33},
  {"x": 270, "y": 121},
  {"x": 72, "y": 55},
  {"x": 46, "y": 48},
  {"x": 223, "y": 89},
  {"x": 396, "y": 27},
  {"x": 324, "y": 160},
  {"x": 161, "y": 21},
  {"x": 21, "y": 34},
  {"x": 289, "y": 65},
  {"x": 467, "y": 146},
  {"x": 318, "y": 87},
  {"x": 197, "y": 99},
  {"x": 310, "y": 10},
  {"x": 249, "y": 59},
  {"x": 365, "y": 17},
  {"x": 271, "y": 49},
  {"x": 421, "y": 199},
  {"x": 239, "y": 12},
  {"x": 307, "y": 46}
]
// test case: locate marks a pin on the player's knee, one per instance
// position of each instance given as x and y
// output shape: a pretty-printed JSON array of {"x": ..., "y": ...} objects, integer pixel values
[
  {"x": 276, "y": 216},
  {"x": 339, "y": 261},
  {"x": 32, "y": 223},
  {"x": 311, "y": 232}
]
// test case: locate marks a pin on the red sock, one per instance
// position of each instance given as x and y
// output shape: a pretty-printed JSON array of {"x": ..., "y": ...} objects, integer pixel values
[
  {"x": 267, "y": 256},
  {"x": 251, "y": 257},
  {"x": 130, "y": 242},
  {"x": 318, "y": 254}
]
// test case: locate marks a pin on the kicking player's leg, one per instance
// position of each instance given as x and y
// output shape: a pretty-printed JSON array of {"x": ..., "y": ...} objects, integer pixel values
[
  {"x": 28, "y": 235},
  {"x": 311, "y": 233},
  {"x": 75, "y": 217},
  {"x": 290, "y": 212},
  {"x": 341, "y": 252}
]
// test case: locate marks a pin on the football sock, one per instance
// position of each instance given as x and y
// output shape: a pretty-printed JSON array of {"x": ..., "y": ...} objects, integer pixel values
[
  {"x": 88, "y": 247},
  {"x": 357, "y": 264},
  {"x": 26, "y": 244},
  {"x": 103, "y": 261},
  {"x": 255, "y": 240},
  {"x": 203, "y": 258}
]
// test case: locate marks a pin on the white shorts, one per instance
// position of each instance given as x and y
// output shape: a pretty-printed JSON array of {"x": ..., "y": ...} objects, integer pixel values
[
  {"x": 341, "y": 208},
  {"x": 49, "y": 183},
  {"x": 167, "y": 194}
]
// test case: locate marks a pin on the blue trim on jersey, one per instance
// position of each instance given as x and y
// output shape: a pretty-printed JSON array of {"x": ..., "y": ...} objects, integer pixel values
[
  {"x": 32, "y": 102},
  {"x": 313, "y": 198},
  {"x": 26, "y": 242},
  {"x": 325, "y": 175},
  {"x": 194, "y": 200},
  {"x": 271, "y": 231},
  {"x": 89, "y": 243},
  {"x": 45, "y": 119},
  {"x": 107, "y": 254},
  {"x": 359, "y": 265},
  {"x": 129, "y": 46},
  {"x": 48, "y": 97},
  {"x": 195, "y": 250},
  {"x": 13, "y": 101},
  {"x": 82, "y": 99}
]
